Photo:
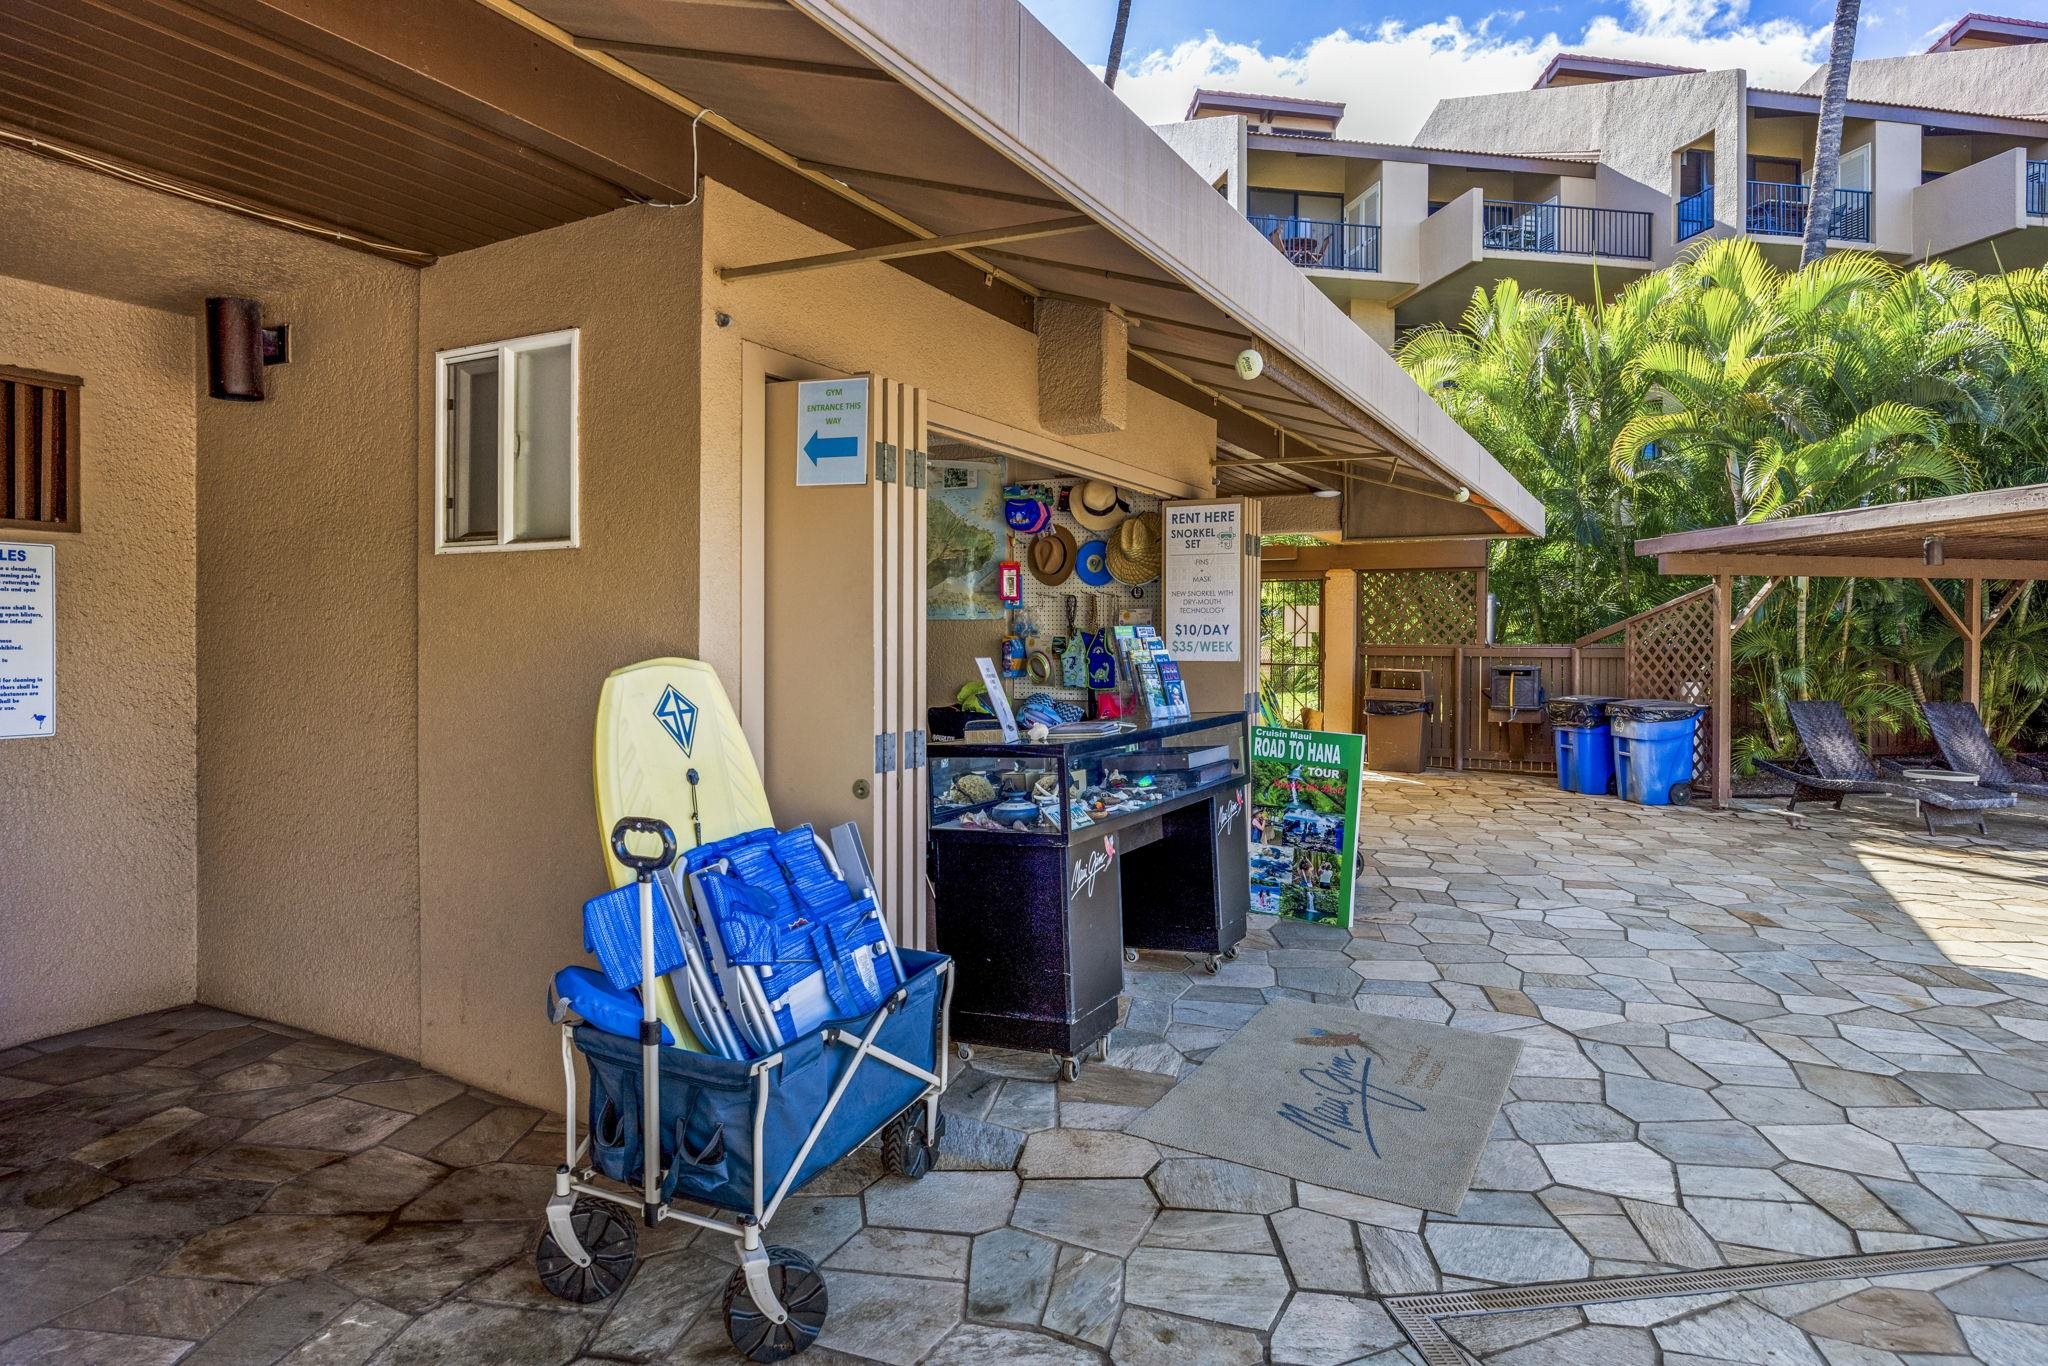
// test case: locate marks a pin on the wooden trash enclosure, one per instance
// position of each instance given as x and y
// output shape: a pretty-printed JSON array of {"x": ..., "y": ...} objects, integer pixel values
[{"x": 1434, "y": 619}]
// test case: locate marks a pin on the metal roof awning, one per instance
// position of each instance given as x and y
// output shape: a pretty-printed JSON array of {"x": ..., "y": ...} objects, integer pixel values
[
  {"x": 1997, "y": 534},
  {"x": 978, "y": 131}
]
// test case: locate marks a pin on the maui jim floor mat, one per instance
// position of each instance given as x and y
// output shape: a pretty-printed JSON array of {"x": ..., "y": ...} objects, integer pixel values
[{"x": 1394, "y": 1109}]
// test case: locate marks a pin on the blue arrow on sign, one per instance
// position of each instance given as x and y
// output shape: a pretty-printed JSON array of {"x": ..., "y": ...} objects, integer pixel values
[{"x": 830, "y": 447}]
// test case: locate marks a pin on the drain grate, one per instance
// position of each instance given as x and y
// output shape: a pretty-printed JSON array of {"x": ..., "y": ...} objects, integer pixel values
[{"x": 1418, "y": 1315}]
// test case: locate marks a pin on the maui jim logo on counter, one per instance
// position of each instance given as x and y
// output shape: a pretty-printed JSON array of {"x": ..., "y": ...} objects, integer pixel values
[
  {"x": 1226, "y": 814},
  {"x": 1091, "y": 866}
]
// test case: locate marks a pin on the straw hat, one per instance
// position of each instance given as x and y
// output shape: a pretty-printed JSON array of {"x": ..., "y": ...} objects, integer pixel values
[
  {"x": 1094, "y": 505},
  {"x": 1052, "y": 557},
  {"x": 1135, "y": 550}
]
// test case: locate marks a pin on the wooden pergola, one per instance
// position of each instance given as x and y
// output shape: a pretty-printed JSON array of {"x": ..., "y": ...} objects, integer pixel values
[{"x": 1976, "y": 538}]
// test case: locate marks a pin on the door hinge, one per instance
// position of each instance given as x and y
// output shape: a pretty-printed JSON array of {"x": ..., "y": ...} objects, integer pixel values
[
  {"x": 885, "y": 463},
  {"x": 913, "y": 750},
  {"x": 920, "y": 469},
  {"x": 885, "y": 753},
  {"x": 1251, "y": 704}
]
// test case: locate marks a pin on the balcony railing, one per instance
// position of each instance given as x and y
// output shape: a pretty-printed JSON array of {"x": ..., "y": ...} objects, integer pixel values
[
  {"x": 1314, "y": 244},
  {"x": 2037, "y": 188},
  {"x": 1780, "y": 211},
  {"x": 1696, "y": 213},
  {"x": 1565, "y": 229}
]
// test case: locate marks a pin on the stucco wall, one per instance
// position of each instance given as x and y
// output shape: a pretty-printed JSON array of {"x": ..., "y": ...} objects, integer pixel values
[
  {"x": 1970, "y": 206},
  {"x": 514, "y": 646},
  {"x": 97, "y": 867},
  {"x": 308, "y": 832},
  {"x": 1270, "y": 170},
  {"x": 1215, "y": 147},
  {"x": 1998, "y": 80},
  {"x": 1637, "y": 127}
]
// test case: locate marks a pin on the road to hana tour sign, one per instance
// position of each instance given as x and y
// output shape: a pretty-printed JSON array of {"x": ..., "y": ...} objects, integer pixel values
[{"x": 1305, "y": 787}]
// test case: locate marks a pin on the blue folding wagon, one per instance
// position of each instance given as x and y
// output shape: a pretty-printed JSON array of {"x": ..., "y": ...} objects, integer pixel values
[{"x": 738, "y": 1134}]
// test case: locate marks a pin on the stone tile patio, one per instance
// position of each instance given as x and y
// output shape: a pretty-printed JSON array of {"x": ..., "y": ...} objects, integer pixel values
[{"x": 1747, "y": 1040}]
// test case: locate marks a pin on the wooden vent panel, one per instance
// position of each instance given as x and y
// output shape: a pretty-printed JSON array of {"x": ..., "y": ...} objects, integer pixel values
[{"x": 38, "y": 449}]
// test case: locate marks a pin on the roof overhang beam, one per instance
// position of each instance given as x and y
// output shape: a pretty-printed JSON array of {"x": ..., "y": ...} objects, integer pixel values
[
  {"x": 1848, "y": 566},
  {"x": 919, "y": 246}
]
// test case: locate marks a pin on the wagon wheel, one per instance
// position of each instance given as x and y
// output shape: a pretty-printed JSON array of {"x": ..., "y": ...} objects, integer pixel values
[
  {"x": 608, "y": 1236},
  {"x": 796, "y": 1282},
  {"x": 906, "y": 1151}
]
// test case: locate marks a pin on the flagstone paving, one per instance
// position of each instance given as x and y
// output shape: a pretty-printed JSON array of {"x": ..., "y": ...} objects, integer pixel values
[{"x": 1745, "y": 1039}]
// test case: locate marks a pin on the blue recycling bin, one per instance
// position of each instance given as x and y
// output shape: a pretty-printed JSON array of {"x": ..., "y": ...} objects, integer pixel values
[
  {"x": 1653, "y": 743},
  {"x": 1583, "y": 744}
]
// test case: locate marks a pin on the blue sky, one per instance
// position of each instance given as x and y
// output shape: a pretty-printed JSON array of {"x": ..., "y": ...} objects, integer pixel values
[{"x": 1391, "y": 59}]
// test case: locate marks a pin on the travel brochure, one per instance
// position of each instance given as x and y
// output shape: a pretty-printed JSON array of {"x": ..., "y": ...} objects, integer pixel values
[{"x": 1152, "y": 675}]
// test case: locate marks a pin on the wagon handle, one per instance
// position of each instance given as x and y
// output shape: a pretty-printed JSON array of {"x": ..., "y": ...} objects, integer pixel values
[{"x": 643, "y": 865}]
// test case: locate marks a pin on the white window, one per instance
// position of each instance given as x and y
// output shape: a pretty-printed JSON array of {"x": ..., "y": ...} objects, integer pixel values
[{"x": 505, "y": 445}]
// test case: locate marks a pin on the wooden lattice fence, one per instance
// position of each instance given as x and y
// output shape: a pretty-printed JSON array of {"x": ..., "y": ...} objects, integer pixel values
[
  {"x": 1669, "y": 653},
  {"x": 1419, "y": 607},
  {"x": 1435, "y": 619}
]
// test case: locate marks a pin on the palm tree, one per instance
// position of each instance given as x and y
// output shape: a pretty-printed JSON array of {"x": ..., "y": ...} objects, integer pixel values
[
  {"x": 1116, "y": 43},
  {"x": 1827, "y": 151}
]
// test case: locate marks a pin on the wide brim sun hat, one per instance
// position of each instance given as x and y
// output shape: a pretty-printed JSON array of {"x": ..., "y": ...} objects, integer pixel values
[
  {"x": 1094, "y": 505},
  {"x": 1052, "y": 557},
  {"x": 1134, "y": 551}
]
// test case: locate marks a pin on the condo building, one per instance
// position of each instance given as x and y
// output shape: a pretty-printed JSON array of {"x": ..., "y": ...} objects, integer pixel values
[{"x": 1606, "y": 169}]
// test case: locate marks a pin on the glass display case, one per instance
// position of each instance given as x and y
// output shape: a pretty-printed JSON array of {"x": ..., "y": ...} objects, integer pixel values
[
  {"x": 1051, "y": 863},
  {"x": 1066, "y": 784}
]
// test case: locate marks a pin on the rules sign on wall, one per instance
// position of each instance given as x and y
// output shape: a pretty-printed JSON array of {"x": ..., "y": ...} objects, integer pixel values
[
  {"x": 1204, "y": 580},
  {"x": 28, "y": 640}
]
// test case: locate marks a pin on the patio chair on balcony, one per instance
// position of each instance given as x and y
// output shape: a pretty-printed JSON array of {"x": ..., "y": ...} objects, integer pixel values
[
  {"x": 1306, "y": 250},
  {"x": 1838, "y": 767},
  {"x": 1966, "y": 747}
]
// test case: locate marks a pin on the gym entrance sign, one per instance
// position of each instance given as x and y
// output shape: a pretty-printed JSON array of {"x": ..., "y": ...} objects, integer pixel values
[{"x": 28, "y": 640}]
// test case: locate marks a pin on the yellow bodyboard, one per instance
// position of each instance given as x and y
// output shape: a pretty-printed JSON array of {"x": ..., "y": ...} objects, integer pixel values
[{"x": 656, "y": 722}]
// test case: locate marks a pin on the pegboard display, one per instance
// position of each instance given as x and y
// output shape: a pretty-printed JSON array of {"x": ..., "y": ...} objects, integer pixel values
[{"x": 1044, "y": 606}]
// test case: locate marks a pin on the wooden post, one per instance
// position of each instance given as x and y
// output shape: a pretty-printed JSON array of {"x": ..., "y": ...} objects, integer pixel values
[
  {"x": 1342, "y": 672},
  {"x": 1724, "y": 667},
  {"x": 1973, "y": 641}
]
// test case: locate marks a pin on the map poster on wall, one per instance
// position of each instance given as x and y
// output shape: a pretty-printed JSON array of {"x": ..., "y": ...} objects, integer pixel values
[
  {"x": 28, "y": 640},
  {"x": 964, "y": 540},
  {"x": 1204, "y": 580},
  {"x": 1305, "y": 786}
]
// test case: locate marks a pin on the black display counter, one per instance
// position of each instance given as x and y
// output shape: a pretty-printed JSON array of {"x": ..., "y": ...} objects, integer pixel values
[{"x": 1048, "y": 859}]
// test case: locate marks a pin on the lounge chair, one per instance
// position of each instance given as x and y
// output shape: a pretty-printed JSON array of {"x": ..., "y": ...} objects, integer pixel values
[
  {"x": 1837, "y": 767},
  {"x": 1966, "y": 747}
]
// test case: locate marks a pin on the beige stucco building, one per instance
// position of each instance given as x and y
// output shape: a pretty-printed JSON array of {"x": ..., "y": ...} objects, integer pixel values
[
  {"x": 317, "y": 758},
  {"x": 1606, "y": 169}
]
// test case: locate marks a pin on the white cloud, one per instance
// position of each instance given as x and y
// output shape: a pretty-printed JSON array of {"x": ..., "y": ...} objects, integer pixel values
[{"x": 1391, "y": 77}]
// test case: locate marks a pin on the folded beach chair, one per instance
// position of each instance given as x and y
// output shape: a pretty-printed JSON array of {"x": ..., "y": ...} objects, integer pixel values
[
  {"x": 791, "y": 942},
  {"x": 1837, "y": 767},
  {"x": 1966, "y": 747}
]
